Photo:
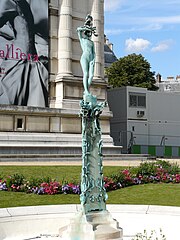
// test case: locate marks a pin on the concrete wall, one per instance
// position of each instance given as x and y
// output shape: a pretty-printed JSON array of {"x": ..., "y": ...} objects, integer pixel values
[
  {"x": 157, "y": 130},
  {"x": 117, "y": 100},
  {"x": 164, "y": 117},
  {"x": 29, "y": 119},
  {"x": 132, "y": 110},
  {"x": 161, "y": 118}
]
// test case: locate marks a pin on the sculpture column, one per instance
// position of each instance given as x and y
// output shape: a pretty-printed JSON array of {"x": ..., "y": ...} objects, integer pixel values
[
  {"x": 65, "y": 39},
  {"x": 93, "y": 194},
  {"x": 94, "y": 221},
  {"x": 98, "y": 16}
]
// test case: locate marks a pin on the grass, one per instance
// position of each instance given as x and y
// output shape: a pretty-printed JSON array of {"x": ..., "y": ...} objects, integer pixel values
[
  {"x": 60, "y": 173},
  {"x": 148, "y": 194},
  {"x": 17, "y": 199}
]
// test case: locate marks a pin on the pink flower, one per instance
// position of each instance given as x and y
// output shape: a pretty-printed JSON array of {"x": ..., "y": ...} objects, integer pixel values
[{"x": 126, "y": 172}]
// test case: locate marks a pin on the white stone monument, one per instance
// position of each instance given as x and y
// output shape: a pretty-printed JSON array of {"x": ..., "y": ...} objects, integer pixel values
[
  {"x": 66, "y": 78},
  {"x": 66, "y": 88},
  {"x": 57, "y": 129}
]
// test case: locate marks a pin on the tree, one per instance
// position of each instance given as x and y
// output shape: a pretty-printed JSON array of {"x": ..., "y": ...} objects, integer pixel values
[{"x": 131, "y": 70}]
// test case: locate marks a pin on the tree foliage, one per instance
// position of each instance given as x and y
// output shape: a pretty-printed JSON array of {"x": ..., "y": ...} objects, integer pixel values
[{"x": 131, "y": 70}]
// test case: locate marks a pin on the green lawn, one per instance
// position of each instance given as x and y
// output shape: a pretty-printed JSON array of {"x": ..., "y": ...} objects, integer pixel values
[
  {"x": 148, "y": 194},
  {"x": 60, "y": 173},
  {"x": 15, "y": 199}
]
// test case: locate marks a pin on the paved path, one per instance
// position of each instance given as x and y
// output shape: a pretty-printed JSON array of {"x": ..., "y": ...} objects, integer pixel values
[{"x": 129, "y": 163}]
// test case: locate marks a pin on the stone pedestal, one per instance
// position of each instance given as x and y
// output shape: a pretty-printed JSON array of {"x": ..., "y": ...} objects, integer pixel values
[
  {"x": 93, "y": 226},
  {"x": 69, "y": 91},
  {"x": 29, "y": 130},
  {"x": 66, "y": 77}
]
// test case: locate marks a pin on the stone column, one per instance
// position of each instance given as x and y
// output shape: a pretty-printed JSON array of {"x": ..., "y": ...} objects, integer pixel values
[
  {"x": 98, "y": 16},
  {"x": 65, "y": 39}
]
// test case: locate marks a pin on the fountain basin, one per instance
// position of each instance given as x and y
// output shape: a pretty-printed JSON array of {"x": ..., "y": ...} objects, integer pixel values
[{"x": 43, "y": 222}]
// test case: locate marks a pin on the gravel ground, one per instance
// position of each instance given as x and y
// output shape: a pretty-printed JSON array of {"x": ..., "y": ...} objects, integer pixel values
[{"x": 78, "y": 163}]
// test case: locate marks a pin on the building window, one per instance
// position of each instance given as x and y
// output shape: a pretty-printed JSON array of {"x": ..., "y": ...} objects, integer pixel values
[
  {"x": 137, "y": 100},
  {"x": 19, "y": 123}
]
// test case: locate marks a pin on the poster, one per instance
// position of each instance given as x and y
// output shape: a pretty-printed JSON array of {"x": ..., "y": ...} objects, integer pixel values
[{"x": 24, "y": 52}]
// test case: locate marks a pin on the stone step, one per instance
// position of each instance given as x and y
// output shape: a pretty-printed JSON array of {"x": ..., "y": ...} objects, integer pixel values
[
  {"x": 59, "y": 138},
  {"x": 93, "y": 226},
  {"x": 105, "y": 232},
  {"x": 67, "y": 157}
]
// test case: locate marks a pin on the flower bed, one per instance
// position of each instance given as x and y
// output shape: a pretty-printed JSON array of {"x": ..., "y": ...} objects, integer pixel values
[{"x": 147, "y": 172}]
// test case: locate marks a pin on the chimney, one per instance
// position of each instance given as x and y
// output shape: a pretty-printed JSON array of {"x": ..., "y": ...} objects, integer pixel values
[
  {"x": 158, "y": 78},
  {"x": 178, "y": 78},
  {"x": 106, "y": 41},
  {"x": 110, "y": 45},
  {"x": 105, "y": 38},
  {"x": 170, "y": 78}
]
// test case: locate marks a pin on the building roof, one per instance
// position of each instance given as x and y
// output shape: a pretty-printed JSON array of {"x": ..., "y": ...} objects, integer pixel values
[
  {"x": 109, "y": 56},
  {"x": 169, "y": 86}
]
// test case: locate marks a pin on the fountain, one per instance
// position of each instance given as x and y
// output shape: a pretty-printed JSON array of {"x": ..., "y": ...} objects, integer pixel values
[{"x": 93, "y": 221}]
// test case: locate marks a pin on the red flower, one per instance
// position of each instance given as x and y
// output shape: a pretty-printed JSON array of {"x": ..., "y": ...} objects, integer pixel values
[{"x": 126, "y": 172}]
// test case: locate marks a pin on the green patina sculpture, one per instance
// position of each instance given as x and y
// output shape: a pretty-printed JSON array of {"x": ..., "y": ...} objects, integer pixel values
[
  {"x": 93, "y": 194},
  {"x": 88, "y": 56}
]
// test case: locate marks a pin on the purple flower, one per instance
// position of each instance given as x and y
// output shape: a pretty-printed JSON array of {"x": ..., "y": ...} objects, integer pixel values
[
  {"x": 119, "y": 185},
  {"x": 137, "y": 181},
  {"x": 65, "y": 189},
  {"x": 3, "y": 186},
  {"x": 40, "y": 190},
  {"x": 76, "y": 189}
]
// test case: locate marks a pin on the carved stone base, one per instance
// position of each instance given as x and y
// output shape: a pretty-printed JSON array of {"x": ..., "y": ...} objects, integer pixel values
[{"x": 93, "y": 226}]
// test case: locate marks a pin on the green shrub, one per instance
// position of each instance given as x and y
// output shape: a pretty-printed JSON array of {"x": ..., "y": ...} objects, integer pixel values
[
  {"x": 150, "y": 168},
  {"x": 118, "y": 177},
  {"x": 16, "y": 179},
  {"x": 1, "y": 176},
  {"x": 171, "y": 168},
  {"x": 147, "y": 169}
]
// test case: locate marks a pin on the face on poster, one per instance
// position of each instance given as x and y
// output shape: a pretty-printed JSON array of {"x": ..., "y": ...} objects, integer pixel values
[{"x": 24, "y": 52}]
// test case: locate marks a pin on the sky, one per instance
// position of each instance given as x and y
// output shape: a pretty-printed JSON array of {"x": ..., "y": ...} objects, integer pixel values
[{"x": 147, "y": 27}]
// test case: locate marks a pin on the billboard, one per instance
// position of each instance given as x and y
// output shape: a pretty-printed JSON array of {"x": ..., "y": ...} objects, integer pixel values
[{"x": 24, "y": 52}]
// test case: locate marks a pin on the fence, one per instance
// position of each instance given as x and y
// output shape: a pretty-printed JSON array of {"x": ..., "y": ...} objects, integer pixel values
[{"x": 155, "y": 145}]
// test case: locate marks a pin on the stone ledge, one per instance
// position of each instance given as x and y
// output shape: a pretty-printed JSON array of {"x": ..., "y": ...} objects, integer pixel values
[
  {"x": 21, "y": 223},
  {"x": 73, "y": 208}
]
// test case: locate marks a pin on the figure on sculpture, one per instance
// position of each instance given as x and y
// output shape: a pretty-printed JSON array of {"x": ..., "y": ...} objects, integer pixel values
[{"x": 88, "y": 56}]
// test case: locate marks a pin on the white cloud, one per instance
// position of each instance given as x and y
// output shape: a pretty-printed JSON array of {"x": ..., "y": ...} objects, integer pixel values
[
  {"x": 136, "y": 45},
  {"x": 147, "y": 28},
  {"x": 164, "y": 20},
  {"x": 151, "y": 27},
  {"x": 112, "y": 5},
  {"x": 162, "y": 46},
  {"x": 114, "y": 31}
]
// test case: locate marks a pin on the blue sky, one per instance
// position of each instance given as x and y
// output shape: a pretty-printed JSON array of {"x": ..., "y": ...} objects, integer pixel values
[{"x": 148, "y": 27}]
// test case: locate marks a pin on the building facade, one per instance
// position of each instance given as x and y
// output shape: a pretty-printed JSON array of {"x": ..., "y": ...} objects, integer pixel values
[
  {"x": 58, "y": 122},
  {"x": 171, "y": 84},
  {"x": 66, "y": 75},
  {"x": 145, "y": 121}
]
